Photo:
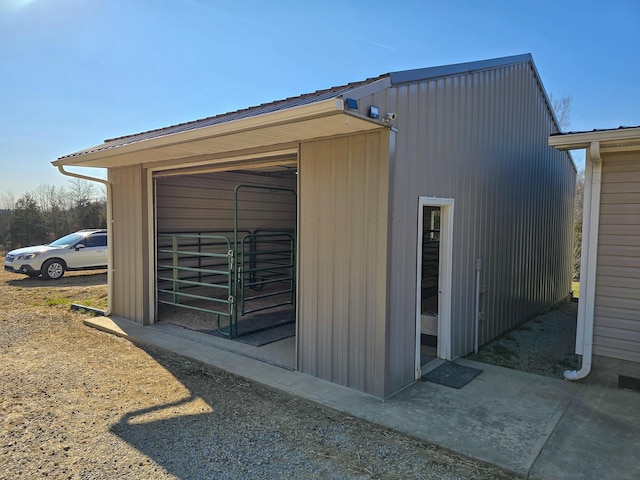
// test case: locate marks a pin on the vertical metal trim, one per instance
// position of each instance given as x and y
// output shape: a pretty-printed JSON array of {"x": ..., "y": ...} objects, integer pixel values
[{"x": 153, "y": 256}]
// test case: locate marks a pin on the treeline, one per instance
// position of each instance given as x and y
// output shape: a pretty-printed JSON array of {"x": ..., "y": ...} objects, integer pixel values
[{"x": 50, "y": 212}]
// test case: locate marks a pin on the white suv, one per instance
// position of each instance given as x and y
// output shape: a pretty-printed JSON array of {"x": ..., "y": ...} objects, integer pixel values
[{"x": 83, "y": 250}]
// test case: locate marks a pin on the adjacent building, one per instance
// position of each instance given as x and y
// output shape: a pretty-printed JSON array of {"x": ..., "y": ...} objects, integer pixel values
[{"x": 608, "y": 333}]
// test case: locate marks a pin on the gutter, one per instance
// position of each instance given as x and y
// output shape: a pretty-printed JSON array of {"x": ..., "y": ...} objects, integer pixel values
[
  {"x": 586, "y": 308},
  {"x": 109, "y": 234}
]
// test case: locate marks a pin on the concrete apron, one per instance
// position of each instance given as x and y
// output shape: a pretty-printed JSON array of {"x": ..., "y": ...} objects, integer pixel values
[{"x": 528, "y": 424}]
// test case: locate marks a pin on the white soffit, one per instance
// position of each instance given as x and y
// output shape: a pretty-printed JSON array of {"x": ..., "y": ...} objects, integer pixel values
[{"x": 321, "y": 119}]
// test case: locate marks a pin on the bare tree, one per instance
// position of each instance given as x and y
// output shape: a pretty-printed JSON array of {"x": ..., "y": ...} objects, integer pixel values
[
  {"x": 562, "y": 108},
  {"x": 54, "y": 204},
  {"x": 82, "y": 192},
  {"x": 88, "y": 204},
  {"x": 7, "y": 201},
  {"x": 51, "y": 198}
]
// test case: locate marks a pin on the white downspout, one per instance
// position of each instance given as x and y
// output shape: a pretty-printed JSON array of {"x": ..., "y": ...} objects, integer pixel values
[
  {"x": 589, "y": 258},
  {"x": 109, "y": 234}
]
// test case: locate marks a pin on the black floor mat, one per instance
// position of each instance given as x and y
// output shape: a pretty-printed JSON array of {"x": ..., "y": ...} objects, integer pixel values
[
  {"x": 270, "y": 335},
  {"x": 262, "y": 328},
  {"x": 451, "y": 375}
]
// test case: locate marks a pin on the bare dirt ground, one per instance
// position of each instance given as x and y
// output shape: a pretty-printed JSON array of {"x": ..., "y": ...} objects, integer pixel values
[{"x": 77, "y": 403}]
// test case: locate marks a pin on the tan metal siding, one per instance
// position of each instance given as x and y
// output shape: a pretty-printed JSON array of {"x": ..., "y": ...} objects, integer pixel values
[
  {"x": 617, "y": 301},
  {"x": 342, "y": 260},
  {"x": 205, "y": 203},
  {"x": 480, "y": 138},
  {"x": 130, "y": 252}
]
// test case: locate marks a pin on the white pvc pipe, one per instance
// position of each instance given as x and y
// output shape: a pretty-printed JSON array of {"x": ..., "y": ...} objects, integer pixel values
[{"x": 588, "y": 285}]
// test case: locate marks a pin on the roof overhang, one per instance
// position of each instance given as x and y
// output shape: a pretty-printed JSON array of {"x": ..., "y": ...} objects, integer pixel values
[
  {"x": 275, "y": 129},
  {"x": 611, "y": 141}
]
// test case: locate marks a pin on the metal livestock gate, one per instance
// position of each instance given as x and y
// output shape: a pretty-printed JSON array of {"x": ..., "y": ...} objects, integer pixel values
[{"x": 228, "y": 274}]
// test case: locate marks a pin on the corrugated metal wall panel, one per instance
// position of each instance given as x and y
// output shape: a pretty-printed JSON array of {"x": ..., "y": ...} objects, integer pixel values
[
  {"x": 205, "y": 203},
  {"x": 617, "y": 301},
  {"x": 342, "y": 260},
  {"x": 129, "y": 234},
  {"x": 480, "y": 138}
]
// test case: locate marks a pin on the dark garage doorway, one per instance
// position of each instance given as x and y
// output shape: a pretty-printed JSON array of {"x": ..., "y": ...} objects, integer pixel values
[{"x": 225, "y": 252}]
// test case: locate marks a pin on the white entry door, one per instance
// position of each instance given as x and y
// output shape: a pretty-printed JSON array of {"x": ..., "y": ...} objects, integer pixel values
[{"x": 433, "y": 282}]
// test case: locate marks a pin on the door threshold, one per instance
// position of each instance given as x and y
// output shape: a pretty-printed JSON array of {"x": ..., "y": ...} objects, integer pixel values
[{"x": 432, "y": 365}]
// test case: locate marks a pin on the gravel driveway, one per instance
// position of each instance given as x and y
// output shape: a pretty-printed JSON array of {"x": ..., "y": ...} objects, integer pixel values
[{"x": 78, "y": 403}]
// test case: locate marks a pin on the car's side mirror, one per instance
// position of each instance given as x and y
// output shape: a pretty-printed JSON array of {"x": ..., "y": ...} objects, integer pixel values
[{"x": 79, "y": 246}]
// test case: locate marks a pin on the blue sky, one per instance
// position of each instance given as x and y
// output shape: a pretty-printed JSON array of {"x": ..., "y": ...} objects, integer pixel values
[{"x": 76, "y": 72}]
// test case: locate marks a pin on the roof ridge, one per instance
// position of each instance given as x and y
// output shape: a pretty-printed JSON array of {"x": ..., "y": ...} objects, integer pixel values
[{"x": 429, "y": 73}]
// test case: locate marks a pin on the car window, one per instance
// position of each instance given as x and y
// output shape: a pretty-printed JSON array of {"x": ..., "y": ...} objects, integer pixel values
[
  {"x": 67, "y": 240},
  {"x": 95, "y": 241}
]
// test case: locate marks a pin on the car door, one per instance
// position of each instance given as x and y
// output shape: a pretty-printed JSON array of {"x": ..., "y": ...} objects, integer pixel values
[{"x": 92, "y": 253}]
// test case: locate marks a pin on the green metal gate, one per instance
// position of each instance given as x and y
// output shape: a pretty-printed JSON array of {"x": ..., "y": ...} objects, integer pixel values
[
  {"x": 228, "y": 277},
  {"x": 196, "y": 271},
  {"x": 267, "y": 265}
]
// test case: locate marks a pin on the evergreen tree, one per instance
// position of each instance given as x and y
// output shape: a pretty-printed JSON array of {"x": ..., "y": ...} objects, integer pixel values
[
  {"x": 5, "y": 218},
  {"x": 92, "y": 215},
  {"x": 27, "y": 225}
]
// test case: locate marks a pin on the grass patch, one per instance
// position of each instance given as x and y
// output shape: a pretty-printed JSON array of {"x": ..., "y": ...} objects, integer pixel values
[
  {"x": 53, "y": 296},
  {"x": 57, "y": 301},
  {"x": 575, "y": 287},
  {"x": 93, "y": 302}
]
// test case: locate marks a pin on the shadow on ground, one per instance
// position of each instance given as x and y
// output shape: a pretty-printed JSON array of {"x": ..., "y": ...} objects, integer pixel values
[
  {"x": 71, "y": 279},
  {"x": 208, "y": 432},
  {"x": 226, "y": 428}
]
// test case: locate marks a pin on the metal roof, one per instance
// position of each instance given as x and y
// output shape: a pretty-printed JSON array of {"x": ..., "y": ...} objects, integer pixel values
[
  {"x": 396, "y": 78},
  {"x": 421, "y": 74},
  {"x": 595, "y": 130},
  {"x": 264, "y": 108},
  {"x": 610, "y": 140}
]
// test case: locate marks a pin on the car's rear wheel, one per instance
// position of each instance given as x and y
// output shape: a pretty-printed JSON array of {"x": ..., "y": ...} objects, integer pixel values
[{"x": 53, "y": 269}]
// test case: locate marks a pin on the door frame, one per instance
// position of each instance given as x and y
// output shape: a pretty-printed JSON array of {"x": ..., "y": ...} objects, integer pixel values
[{"x": 445, "y": 275}]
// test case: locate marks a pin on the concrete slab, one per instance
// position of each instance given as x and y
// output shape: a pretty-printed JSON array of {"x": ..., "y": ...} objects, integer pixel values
[
  {"x": 524, "y": 423},
  {"x": 598, "y": 437},
  {"x": 280, "y": 354},
  {"x": 502, "y": 417},
  {"x": 106, "y": 324}
]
